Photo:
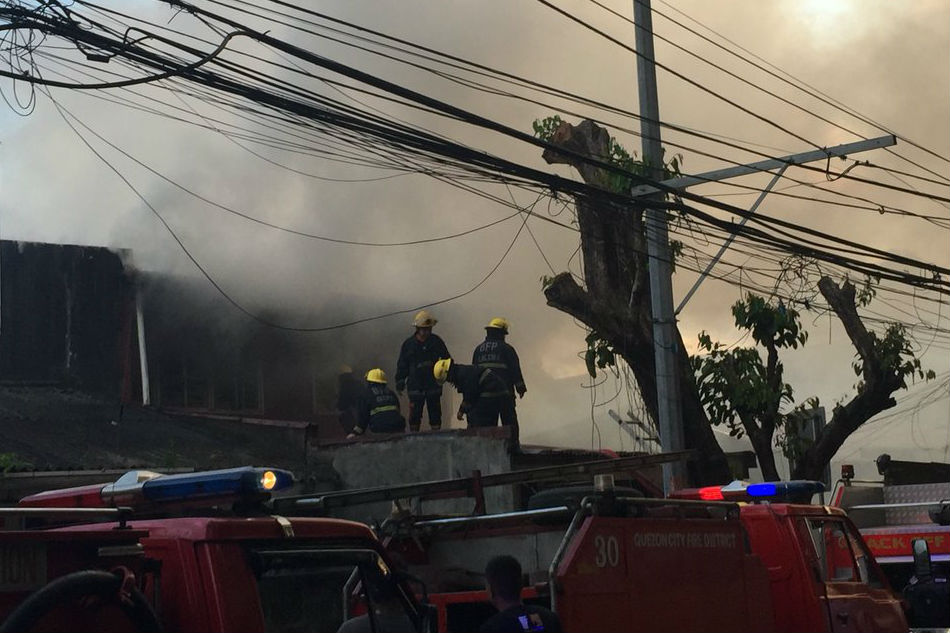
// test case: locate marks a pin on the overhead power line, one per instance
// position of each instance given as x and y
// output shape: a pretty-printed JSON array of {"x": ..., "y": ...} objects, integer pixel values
[
  {"x": 325, "y": 114},
  {"x": 808, "y": 89},
  {"x": 434, "y": 57},
  {"x": 725, "y": 99}
]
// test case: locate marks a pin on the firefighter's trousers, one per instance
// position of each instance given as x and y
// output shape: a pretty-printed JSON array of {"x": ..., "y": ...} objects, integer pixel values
[
  {"x": 431, "y": 399},
  {"x": 487, "y": 412}
]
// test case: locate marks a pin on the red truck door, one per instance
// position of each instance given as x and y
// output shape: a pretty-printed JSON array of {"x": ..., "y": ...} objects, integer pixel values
[
  {"x": 856, "y": 595},
  {"x": 662, "y": 574}
]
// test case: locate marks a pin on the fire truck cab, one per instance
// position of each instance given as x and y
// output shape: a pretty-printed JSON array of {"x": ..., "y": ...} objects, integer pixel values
[{"x": 215, "y": 571}]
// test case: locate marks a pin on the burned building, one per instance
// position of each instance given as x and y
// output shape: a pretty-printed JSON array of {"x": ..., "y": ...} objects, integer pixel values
[
  {"x": 80, "y": 317},
  {"x": 83, "y": 320}
]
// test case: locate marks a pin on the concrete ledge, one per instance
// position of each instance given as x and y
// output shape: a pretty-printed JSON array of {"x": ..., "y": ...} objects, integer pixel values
[
  {"x": 418, "y": 457},
  {"x": 497, "y": 432}
]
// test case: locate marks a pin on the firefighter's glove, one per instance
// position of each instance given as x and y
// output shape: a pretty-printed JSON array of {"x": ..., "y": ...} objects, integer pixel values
[
  {"x": 460, "y": 415},
  {"x": 521, "y": 389}
]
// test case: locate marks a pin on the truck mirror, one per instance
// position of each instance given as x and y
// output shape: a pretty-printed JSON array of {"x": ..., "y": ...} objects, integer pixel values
[
  {"x": 922, "y": 566},
  {"x": 940, "y": 514}
]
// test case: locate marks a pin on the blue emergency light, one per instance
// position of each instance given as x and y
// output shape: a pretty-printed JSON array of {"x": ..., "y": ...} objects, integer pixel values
[
  {"x": 765, "y": 489},
  {"x": 216, "y": 483},
  {"x": 785, "y": 489}
]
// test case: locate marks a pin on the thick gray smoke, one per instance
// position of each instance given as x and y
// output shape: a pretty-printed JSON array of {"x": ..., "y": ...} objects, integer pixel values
[{"x": 887, "y": 61}]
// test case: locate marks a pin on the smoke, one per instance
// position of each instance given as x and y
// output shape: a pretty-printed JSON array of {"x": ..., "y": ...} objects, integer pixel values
[{"x": 888, "y": 60}]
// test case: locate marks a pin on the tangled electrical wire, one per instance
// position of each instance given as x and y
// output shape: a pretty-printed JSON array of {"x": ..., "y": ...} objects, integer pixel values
[{"x": 306, "y": 121}]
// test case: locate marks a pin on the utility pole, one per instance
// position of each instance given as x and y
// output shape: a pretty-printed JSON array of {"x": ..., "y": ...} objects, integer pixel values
[{"x": 669, "y": 412}]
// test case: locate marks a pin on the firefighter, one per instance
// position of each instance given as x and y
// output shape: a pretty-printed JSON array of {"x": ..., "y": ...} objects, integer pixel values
[
  {"x": 497, "y": 355},
  {"x": 378, "y": 407},
  {"x": 414, "y": 371},
  {"x": 347, "y": 397},
  {"x": 503, "y": 581},
  {"x": 482, "y": 390}
]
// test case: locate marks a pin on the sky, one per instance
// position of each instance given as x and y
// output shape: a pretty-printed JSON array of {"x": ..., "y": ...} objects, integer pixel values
[{"x": 889, "y": 61}]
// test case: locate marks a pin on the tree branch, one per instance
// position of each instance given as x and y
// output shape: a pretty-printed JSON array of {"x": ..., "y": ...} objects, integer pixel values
[
  {"x": 874, "y": 394},
  {"x": 773, "y": 380},
  {"x": 841, "y": 300},
  {"x": 566, "y": 295}
]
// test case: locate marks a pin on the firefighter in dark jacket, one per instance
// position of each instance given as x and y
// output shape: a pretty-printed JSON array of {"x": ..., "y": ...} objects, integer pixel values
[
  {"x": 378, "y": 407},
  {"x": 497, "y": 355},
  {"x": 414, "y": 371},
  {"x": 482, "y": 392}
]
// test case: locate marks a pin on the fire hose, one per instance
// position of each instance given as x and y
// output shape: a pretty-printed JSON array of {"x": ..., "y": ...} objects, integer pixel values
[{"x": 118, "y": 586}]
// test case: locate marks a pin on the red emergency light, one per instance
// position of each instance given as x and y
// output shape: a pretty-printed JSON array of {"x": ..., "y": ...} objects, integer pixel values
[
  {"x": 143, "y": 487},
  {"x": 710, "y": 493},
  {"x": 847, "y": 472},
  {"x": 743, "y": 491}
]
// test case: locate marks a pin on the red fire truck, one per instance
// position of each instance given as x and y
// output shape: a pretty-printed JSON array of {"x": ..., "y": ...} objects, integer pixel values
[
  {"x": 732, "y": 558},
  {"x": 905, "y": 521},
  {"x": 210, "y": 552}
]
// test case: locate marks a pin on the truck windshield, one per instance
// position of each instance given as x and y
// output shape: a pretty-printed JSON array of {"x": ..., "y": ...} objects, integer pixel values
[{"x": 326, "y": 590}]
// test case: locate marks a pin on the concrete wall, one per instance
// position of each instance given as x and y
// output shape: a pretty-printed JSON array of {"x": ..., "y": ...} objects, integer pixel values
[{"x": 416, "y": 458}]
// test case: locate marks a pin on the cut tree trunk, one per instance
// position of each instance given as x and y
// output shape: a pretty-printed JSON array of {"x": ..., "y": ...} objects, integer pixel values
[{"x": 616, "y": 300}]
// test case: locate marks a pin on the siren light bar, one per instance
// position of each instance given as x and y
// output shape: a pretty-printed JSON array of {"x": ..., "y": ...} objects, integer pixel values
[
  {"x": 743, "y": 491},
  {"x": 142, "y": 487}
]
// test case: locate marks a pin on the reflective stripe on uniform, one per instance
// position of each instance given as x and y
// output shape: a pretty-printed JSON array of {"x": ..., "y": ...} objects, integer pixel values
[
  {"x": 495, "y": 394},
  {"x": 388, "y": 407},
  {"x": 494, "y": 365}
]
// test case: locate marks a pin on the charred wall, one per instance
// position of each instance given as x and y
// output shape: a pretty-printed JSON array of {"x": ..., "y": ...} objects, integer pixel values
[{"x": 65, "y": 311}]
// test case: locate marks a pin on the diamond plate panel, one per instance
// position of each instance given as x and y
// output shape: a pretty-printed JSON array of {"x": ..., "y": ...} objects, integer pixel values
[{"x": 917, "y": 493}]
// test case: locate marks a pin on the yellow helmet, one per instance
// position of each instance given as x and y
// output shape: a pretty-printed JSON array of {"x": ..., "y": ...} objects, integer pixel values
[
  {"x": 440, "y": 371},
  {"x": 499, "y": 324},
  {"x": 424, "y": 319},
  {"x": 376, "y": 375}
]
